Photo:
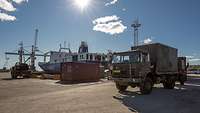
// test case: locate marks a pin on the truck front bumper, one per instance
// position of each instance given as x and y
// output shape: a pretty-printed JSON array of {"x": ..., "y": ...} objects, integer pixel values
[{"x": 127, "y": 80}]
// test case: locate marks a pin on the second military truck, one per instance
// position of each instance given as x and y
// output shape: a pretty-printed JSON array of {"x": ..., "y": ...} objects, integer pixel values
[{"x": 146, "y": 65}]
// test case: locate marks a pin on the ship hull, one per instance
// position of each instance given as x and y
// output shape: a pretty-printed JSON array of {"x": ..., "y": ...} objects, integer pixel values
[{"x": 50, "y": 68}]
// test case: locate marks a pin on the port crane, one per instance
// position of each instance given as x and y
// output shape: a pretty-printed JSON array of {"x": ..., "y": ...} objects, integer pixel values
[
  {"x": 136, "y": 26},
  {"x": 32, "y": 55}
]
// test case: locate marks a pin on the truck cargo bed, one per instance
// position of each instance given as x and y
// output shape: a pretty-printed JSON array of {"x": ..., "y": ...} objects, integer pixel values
[{"x": 163, "y": 57}]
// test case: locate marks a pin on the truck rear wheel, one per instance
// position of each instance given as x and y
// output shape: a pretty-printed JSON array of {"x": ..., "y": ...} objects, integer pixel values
[
  {"x": 169, "y": 83},
  {"x": 121, "y": 87},
  {"x": 146, "y": 86}
]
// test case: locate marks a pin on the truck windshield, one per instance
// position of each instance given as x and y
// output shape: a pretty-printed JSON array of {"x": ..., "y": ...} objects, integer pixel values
[{"x": 132, "y": 58}]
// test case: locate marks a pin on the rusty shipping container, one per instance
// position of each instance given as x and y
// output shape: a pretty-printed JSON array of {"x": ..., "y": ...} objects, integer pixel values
[{"x": 73, "y": 72}]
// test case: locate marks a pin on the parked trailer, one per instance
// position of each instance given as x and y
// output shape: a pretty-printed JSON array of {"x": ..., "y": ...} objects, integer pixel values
[{"x": 145, "y": 66}]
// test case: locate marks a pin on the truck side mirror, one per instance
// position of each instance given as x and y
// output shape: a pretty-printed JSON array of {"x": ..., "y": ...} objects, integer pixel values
[
  {"x": 152, "y": 66},
  {"x": 187, "y": 65}
]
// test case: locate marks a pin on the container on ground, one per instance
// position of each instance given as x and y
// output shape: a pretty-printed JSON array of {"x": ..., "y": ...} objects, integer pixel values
[{"x": 74, "y": 72}]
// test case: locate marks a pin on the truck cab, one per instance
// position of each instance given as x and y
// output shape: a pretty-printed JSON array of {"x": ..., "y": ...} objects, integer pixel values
[
  {"x": 20, "y": 69},
  {"x": 131, "y": 68}
]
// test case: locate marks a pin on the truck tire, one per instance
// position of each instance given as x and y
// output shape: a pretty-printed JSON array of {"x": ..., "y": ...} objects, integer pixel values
[
  {"x": 121, "y": 87},
  {"x": 133, "y": 85},
  {"x": 26, "y": 74},
  {"x": 146, "y": 86},
  {"x": 182, "y": 82},
  {"x": 13, "y": 75},
  {"x": 169, "y": 83},
  {"x": 182, "y": 79}
]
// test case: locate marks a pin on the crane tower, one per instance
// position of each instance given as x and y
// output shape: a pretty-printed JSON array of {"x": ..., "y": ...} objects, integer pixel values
[{"x": 136, "y": 26}]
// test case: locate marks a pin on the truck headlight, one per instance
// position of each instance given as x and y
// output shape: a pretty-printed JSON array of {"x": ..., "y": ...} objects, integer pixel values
[{"x": 111, "y": 67}]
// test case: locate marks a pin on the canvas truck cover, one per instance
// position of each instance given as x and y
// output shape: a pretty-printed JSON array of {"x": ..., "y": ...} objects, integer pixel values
[{"x": 161, "y": 56}]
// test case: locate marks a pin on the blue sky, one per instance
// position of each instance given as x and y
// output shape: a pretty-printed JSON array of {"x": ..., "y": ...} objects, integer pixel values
[{"x": 172, "y": 22}]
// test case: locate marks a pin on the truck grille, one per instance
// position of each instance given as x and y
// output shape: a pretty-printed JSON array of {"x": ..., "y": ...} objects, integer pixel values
[{"x": 121, "y": 74}]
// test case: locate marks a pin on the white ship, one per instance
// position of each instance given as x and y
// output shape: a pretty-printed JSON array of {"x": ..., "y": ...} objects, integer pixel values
[{"x": 58, "y": 57}]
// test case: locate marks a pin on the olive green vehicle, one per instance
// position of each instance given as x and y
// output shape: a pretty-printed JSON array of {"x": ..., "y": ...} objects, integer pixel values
[
  {"x": 146, "y": 65},
  {"x": 20, "y": 70}
]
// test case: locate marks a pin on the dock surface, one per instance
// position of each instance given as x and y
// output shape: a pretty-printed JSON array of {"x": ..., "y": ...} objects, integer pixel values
[{"x": 49, "y": 96}]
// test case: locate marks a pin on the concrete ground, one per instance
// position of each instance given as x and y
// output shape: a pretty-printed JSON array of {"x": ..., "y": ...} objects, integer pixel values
[{"x": 48, "y": 96}]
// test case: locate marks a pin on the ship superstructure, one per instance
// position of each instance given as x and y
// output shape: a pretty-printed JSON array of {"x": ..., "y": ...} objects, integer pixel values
[{"x": 58, "y": 57}]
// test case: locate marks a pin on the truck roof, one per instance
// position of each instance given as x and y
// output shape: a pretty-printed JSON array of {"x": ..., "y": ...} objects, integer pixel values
[
  {"x": 128, "y": 52},
  {"x": 155, "y": 44}
]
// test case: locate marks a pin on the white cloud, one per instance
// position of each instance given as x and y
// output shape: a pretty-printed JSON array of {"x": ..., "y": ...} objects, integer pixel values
[
  {"x": 194, "y": 60},
  {"x": 106, "y": 19},
  {"x": 19, "y": 1},
  {"x": 124, "y": 9},
  {"x": 111, "y": 3},
  {"x": 6, "y": 5},
  {"x": 6, "y": 17},
  {"x": 189, "y": 57},
  {"x": 147, "y": 41},
  {"x": 109, "y": 24}
]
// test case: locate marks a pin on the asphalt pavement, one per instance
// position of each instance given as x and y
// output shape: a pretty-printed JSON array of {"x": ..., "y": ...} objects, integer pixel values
[{"x": 49, "y": 96}]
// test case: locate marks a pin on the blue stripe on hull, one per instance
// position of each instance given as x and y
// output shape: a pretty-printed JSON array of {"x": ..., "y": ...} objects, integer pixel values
[{"x": 51, "y": 68}]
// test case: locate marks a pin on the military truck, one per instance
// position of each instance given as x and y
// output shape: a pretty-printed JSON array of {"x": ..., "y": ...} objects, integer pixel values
[
  {"x": 146, "y": 65},
  {"x": 20, "y": 70}
]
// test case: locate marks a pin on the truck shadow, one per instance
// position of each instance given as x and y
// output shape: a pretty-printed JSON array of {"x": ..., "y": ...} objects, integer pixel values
[
  {"x": 183, "y": 99},
  {"x": 75, "y": 82},
  {"x": 6, "y": 79},
  {"x": 12, "y": 79}
]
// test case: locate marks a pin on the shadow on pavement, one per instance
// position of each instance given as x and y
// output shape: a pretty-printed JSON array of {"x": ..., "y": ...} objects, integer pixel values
[
  {"x": 183, "y": 99},
  {"x": 74, "y": 82},
  {"x": 11, "y": 78},
  {"x": 79, "y": 82},
  {"x": 6, "y": 79}
]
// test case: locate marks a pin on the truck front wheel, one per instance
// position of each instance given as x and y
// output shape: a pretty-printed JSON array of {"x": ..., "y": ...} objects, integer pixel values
[
  {"x": 169, "y": 83},
  {"x": 182, "y": 78},
  {"x": 146, "y": 86},
  {"x": 121, "y": 87}
]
